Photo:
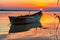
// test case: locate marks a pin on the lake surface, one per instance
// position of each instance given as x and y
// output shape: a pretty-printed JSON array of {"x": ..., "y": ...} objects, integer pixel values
[{"x": 47, "y": 20}]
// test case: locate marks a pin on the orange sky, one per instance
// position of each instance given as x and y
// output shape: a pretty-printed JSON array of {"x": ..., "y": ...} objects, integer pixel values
[{"x": 27, "y": 3}]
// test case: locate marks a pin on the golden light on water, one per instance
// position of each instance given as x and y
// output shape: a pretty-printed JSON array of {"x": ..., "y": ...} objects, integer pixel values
[{"x": 48, "y": 20}]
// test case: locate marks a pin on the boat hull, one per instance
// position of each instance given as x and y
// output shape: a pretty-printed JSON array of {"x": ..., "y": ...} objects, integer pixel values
[
  {"x": 23, "y": 20},
  {"x": 25, "y": 23}
]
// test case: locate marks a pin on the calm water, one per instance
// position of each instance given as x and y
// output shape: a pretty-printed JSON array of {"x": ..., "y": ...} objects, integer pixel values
[{"x": 47, "y": 19}]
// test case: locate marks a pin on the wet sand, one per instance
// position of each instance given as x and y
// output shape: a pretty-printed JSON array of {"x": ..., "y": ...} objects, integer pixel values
[{"x": 32, "y": 34}]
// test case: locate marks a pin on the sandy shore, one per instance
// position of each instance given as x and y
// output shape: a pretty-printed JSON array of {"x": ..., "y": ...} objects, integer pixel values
[{"x": 43, "y": 34}]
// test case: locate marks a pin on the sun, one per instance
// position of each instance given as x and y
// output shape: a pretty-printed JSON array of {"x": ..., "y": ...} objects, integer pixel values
[{"x": 41, "y": 9}]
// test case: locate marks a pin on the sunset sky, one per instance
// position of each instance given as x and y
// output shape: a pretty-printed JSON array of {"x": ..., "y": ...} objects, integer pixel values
[{"x": 9, "y": 4}]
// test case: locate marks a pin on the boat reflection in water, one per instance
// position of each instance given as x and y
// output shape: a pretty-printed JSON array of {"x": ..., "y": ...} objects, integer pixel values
[{"x": 24, "y": 23}]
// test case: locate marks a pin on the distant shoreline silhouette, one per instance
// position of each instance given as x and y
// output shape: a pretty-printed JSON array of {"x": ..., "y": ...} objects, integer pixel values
[{"x": 18, "y": 10}]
